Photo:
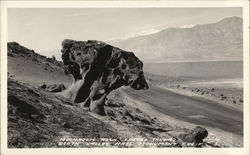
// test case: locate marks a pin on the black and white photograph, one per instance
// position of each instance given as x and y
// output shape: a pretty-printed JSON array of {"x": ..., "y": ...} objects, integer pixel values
[{"x": 125, "y": 77}]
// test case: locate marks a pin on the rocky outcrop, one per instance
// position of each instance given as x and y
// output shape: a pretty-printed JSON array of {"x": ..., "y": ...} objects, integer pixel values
[
  {"x": 195, "y": 136},
  {"x": 52, "y": 88},
  {"x": 56, "y": 88},
  {"x": 97, "y": 69}
]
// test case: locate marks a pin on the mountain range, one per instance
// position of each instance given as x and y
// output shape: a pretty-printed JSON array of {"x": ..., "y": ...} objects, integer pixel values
[{"x": 220, "y": 41}]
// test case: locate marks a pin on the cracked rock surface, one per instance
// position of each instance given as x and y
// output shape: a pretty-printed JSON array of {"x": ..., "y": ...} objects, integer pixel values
[{"x": 97, "y": 69}]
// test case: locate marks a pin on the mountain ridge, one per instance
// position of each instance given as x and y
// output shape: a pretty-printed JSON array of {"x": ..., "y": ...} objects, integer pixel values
[{"x": 222, "y": 40}]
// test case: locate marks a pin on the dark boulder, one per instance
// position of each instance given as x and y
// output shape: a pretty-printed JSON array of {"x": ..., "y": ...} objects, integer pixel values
[
  {"x": 42, "y": 86},
  {"x": 195, "y": 136},
  {"x": 97, "y": 69}
]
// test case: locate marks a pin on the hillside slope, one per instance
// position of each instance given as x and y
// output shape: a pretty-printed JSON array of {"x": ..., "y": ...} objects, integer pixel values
[
  {"x": 28, "y": 66},
  {"x": 38, "y": 119}
]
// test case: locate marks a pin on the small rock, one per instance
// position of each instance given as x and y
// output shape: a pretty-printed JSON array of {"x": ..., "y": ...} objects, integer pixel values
[
  {"x": 223, "y": 97},
  {"x": 112, "y": 103},
  {"x": 111, "y": 113},
  {"x": 55, "y": 88},
  {"x": 42, "y": 86},
  {"x": 66, "y": 125},
  {"x": 138, "y": 110},
  {"x": 154, "y": 120},
  {"x": 195, "y": 136}
]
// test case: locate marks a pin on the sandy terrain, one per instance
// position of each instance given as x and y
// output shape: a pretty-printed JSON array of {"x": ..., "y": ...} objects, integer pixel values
[{"x": 36, "y": 72}]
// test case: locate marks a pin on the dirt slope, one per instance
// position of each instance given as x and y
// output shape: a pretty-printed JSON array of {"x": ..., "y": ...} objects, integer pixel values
[
  {"x": 40, "y": 119},
  {"x": 28, "y": 66}
]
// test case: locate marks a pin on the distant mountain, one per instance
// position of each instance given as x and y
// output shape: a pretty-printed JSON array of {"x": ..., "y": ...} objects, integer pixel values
[{"x": 217, "y": 41}]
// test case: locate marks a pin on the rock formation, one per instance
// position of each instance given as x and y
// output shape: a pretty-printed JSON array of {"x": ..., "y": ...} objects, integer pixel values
[
  {"x": 52, "y": 88},
  {"x": 97, "y": 69},
  {"x": 195, "y": 136}
]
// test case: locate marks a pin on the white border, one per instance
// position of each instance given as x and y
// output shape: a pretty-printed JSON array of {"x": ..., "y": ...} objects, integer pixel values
[{"x": 122, "y": 4}]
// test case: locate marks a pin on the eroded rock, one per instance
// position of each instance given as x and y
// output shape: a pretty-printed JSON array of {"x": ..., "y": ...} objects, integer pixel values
[
  {"x": 195, "y": 136},
  {"x": 98, "y": 68},
  {"x": 42, "y": 86},
  {"x": 55, "y": 88}
]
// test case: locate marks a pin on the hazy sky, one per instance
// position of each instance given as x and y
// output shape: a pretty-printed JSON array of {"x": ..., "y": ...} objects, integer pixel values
[{"x": 44, "y": 29}]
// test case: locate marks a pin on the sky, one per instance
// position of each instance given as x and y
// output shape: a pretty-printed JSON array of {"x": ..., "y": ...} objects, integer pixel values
[{"x": 43, "y": 29}]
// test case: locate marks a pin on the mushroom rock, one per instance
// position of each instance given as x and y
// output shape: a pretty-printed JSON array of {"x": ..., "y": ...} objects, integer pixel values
[{"x": 97, "y": 69}]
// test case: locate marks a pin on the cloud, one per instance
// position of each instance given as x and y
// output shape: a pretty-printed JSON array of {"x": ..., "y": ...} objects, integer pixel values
[
  {"x": 137, "y": 34},
  {"x": 142, "y": 33},
  {"x": 188, "y": 26}
]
